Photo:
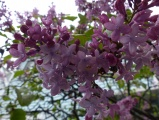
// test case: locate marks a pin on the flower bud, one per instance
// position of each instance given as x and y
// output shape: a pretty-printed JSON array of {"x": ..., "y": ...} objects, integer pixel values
[
  {"x": 39, "y": 61},
  {"x": 111, "y": 59},
  {"x": 31, "y": 52},
  {"x": 24, "y": 29},
  {"x": 14, "y": 45},
  {"x": 18, "y": 36},
  {"x": 28, "y": 22}
]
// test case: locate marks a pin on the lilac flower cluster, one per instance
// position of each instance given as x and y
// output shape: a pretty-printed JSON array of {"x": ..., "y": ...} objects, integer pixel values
[
  {"x": 35, "y": 15},
  {"x": 5, "y": 14},
  {"x": 116, "y": 46},
  {"x": 95, "y": 8}
]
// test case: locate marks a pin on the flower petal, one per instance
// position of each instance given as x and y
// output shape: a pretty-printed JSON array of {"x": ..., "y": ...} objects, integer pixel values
[
  {"x": 125, "y": 39},
  {"x": 21, "y": 48},
  {"x": 115, "y": 35},
  {"x": 14, "y": 52},
  {"x": 132, "y": 48},
  {"x": 55, "y": 90},
  {"x": 17, "y": 62},
  {"x": 125, "y": 29},
  {"x": 81, "y": 54},
  {"x": 140, "y": 39},
  {"x": 119, "y": 20},
  {"x": 110, "y": 26}
]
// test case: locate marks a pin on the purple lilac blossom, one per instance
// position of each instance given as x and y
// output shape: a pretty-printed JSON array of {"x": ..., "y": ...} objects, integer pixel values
[{"x": 20, "y": 53}]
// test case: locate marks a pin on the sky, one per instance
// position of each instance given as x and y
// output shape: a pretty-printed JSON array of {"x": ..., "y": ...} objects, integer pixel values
[{"x": 66, "y": 6}]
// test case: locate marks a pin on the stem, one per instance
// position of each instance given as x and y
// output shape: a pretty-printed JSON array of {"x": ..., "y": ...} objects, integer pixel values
[{"x": 128, "y": 88}]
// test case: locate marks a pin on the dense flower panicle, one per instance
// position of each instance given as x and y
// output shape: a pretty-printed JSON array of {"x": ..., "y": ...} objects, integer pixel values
[
  {"x": 114, "y": 47},
  {"x": 5, "y": 17},
  {"x": 95, "y": 8}
]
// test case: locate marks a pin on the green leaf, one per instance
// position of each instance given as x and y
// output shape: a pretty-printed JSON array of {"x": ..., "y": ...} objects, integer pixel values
[
  {"x": 25, "y": 99},
  {"x": 89, "y": 32},
  {"x": 54, "y": 109},
  {"x": 7, "y": 58},
  {"x": 82, "y": 37},
  {"x": 5, "y": 98},
  {"x": 72, "y": 27},
  {"x": 72, "y": 18},
  {"x": 34, "y": 70},
  {"x": 110, "y": 15},
  {"x": 18, "y": 73},
  {"x": 87, "y": 36},
  {"x": 83, "y": 19},
  {"x": 129, "y": 14},
  {"x": 144, "y": 73},
  {"x": 120, "y": 83},
  {"x": 15, "y": 41},
  {"x": 10, "y": 29},
  {"x": 101, "y": 46},
  {"x": 19, "y": 96},
  {"x": 4, "y": 35},
  {"x": 144, "y": 85},
  {"x": 18, "y": 114}
]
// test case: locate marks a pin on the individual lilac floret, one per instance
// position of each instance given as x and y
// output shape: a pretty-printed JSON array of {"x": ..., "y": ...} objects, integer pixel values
[
  {"x": 105, "y": 95},
  {"x": 47, "y": 21},
  {"x": 88, "y": 118},
  {"x": 19, "y": 53},
  {"x": 133, "y": 39},
  {"x": 64, "y": 34},
  {"x": 68, "y": 55},
  {"x": 104, "y": 18},
  {"x": 127, "y": 75},
  {"x": 111, "y": 59},
  {"x": 102, "y": 62},
  {"x": 34, "y": 32},
  {"x": 142, "y": 16},
  {"x": 53, "y": 52},
  {"x": 117, "y": 26},
  {"x": 87, "y": 67},
  {"x": 91, "y": 105},
  {"x": 58, "y": 83},
  {"x": 153, "y": 31}
]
